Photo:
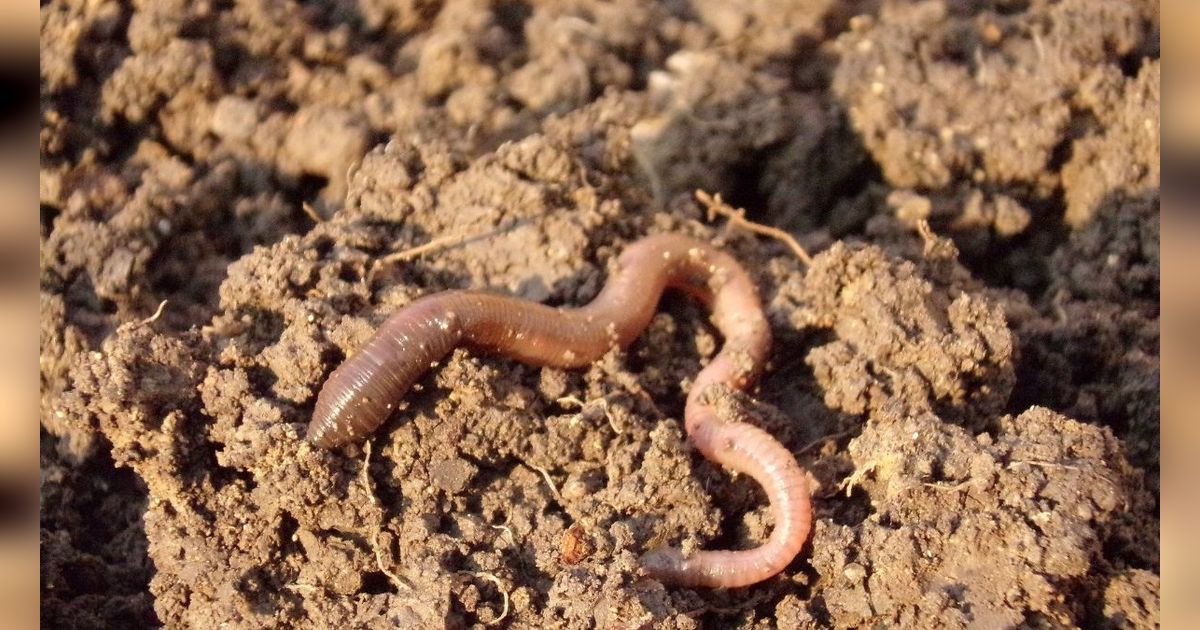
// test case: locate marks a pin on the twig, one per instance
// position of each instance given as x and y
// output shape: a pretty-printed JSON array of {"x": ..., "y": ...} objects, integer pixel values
[
  {"x": 157, "y": 313},
  {"x": 549, "y": 481},
  {"x": 1034, "y": 462},
  {"x": 512, "y": 538},
  {"x": 570, "y": 400},
  {"x": 926, "y": 233},
  {"x": 952, "y": 487},
  {"x": 855, "y": 477},
  {"x": 573, "y": 400},
  {"x": 737, "y": 218},
  {"x": 311, "y": 212},
  {"x": 396, "y": 579},
  {"x": 437, "y": 243},
  {"x": 366, "y": 480},
  {"x": 366, "y": 475},
  {"x": 451, "y": 240}
]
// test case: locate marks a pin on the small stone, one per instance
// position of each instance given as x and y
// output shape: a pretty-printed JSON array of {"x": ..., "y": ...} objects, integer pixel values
[
  {"x": 854, "y": 572},
  {"x": 452, "y": 475}
]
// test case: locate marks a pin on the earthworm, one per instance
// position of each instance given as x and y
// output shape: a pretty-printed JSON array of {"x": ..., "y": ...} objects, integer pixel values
[{"x": 362, "y": 392}]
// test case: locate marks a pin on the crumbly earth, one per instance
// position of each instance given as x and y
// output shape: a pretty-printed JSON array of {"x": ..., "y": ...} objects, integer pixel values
[{"x": 968, "y": 368}]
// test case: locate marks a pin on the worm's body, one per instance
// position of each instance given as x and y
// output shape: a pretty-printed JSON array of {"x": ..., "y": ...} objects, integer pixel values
[{"x": 362, "y": 392}]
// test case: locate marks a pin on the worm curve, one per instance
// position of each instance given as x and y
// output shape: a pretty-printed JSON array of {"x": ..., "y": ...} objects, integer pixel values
[{"x": 362, "y": 392}]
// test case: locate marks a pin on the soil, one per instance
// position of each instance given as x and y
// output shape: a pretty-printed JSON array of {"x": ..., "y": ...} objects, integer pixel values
[{"x": 969, "y": 368}]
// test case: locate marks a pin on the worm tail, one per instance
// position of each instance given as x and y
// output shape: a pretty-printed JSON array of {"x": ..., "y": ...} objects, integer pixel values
[{"x": 750, "y": 450}]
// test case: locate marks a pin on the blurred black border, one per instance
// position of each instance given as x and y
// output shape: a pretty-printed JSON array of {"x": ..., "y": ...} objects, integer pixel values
[{"x": 19, "y": 93}]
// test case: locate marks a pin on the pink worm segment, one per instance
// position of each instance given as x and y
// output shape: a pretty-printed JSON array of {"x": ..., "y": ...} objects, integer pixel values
[{"x": 361, "y": 393}]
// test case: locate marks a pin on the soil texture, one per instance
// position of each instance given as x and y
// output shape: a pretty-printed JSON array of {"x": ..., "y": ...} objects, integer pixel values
[{"x": 968, "y": 368}]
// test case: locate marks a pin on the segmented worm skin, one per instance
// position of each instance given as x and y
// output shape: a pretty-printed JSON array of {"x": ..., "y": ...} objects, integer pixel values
[{"x": 362, "y": 392}]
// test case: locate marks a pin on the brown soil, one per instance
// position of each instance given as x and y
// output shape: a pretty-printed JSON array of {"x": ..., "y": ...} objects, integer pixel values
[{"x": 977, "y": 402}]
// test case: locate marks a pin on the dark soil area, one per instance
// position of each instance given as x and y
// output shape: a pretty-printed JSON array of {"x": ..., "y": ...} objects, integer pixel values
[{"x": 969, "y": 368}]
